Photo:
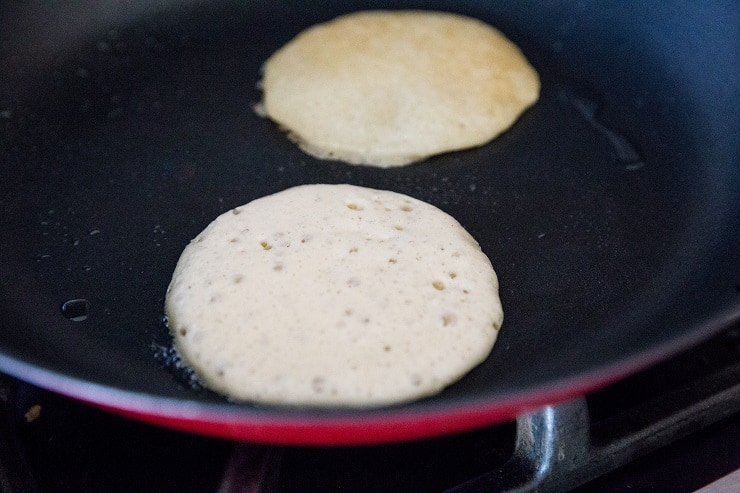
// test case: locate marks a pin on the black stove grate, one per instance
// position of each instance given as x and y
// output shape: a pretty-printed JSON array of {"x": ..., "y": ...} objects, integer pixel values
[{"x": 50, "y": 443}]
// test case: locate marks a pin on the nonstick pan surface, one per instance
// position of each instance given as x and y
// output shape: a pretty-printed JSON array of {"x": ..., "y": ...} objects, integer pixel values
[{"x": 609, "y": 211}]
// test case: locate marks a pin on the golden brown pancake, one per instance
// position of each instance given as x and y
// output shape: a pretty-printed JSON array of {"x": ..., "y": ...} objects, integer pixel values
[{"x": 388, "y": 88}]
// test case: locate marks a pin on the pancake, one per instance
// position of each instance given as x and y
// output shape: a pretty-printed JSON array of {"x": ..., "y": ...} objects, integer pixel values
[
  {"x": 333, "y": 295},
  {"x": 388, "y": 88}
]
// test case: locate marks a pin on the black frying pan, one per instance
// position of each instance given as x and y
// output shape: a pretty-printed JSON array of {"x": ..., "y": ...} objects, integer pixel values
[{"x": 610, "y": 210}]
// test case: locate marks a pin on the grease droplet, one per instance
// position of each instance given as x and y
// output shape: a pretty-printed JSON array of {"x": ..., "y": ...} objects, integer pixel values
[
  {"x": 625, "y": 150},
  {"x": 76, "y": 310}
]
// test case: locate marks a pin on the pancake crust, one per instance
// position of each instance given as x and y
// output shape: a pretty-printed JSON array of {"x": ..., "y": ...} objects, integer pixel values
[
  {"x": 333, "y": 295},
  {"x": 388, "y": 88}
]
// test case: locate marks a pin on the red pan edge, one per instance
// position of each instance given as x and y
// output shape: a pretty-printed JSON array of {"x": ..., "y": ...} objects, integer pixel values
[
  {"x": 348, "y": 431},
  {"x": 394, "y": 426},
  {"x": 384, "y": 428}
]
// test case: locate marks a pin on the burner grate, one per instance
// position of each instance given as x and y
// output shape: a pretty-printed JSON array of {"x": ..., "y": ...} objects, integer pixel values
[{"x": 69, "y": 446}]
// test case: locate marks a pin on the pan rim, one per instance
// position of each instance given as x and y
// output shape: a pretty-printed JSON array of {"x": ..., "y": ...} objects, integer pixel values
[{"x": 351, "y": 427}]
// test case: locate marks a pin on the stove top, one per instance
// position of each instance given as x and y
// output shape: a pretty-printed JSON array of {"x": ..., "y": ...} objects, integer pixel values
[{"x": 674, "y": 427}]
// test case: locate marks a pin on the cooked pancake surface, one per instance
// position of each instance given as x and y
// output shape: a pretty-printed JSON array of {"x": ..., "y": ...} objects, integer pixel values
[
  {"x": 333, "y": 295},
  {"x": 387, "y": 88}
]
